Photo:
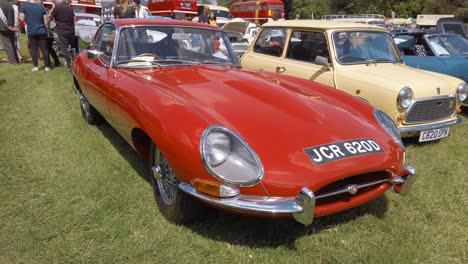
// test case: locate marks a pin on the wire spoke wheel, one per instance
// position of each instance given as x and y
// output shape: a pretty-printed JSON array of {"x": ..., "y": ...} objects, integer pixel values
[
  {"x": 174, "y": 204},
  {"x": 165, "y": 179}
]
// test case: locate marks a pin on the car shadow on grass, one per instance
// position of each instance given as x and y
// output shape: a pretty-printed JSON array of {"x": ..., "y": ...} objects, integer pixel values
[
  {"x": 125, "y": 150},
  {"x": 246, "y": 230},
  {"x": 264, "y": 232}
]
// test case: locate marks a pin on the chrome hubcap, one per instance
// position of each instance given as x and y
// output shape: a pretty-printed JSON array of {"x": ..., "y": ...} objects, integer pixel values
[{"x": 165, "y": 179}]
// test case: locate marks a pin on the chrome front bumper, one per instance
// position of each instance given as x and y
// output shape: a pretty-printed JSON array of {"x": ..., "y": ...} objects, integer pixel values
[
  {"x": 419, "y": 128},
  {"x": 301, "y": 207}
]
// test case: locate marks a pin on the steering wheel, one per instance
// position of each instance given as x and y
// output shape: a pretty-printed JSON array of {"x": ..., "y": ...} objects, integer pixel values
[{"x": 148, "y": 55}]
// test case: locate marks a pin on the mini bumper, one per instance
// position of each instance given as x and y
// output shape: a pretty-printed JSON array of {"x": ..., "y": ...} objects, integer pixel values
[
  {"x": 419, "y": 128},
  {"x": 301, "y": 207}
]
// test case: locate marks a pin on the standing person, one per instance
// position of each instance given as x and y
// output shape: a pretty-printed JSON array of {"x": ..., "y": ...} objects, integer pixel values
[
  {"x": 212, "y": 19},
  {"x": 124, "y": 10},
  {"x": 6, "y": 31},
  {"x": 204, "y": 18},
  {"x": 35, "y": 17},
  {"x": 65, "y": 27},
  {"x": 141, "y": 11},
  {"x": 17, "y": 41},
  {"x": 50, "y": 47}
]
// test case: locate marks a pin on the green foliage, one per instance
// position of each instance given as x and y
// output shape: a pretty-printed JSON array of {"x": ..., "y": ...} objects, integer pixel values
[{"x": 302, "y": 7}]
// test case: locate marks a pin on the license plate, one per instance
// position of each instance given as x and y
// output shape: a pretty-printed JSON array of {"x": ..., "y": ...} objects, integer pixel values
[{"x": 433, "y": 134}]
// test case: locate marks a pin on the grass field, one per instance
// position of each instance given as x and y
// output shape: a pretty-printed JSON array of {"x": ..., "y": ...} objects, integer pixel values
[{"x": 74, "y": 193}]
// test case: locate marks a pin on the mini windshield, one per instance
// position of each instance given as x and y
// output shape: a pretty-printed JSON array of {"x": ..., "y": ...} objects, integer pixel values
[
  {"x": 147, "y": 46},
  {"x": 446, "y": 45},
  {"x": 359, "y": 47}
]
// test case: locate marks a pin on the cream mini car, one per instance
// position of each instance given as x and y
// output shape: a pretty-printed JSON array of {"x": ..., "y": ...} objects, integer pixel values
[{"x": 364, "y": 61}]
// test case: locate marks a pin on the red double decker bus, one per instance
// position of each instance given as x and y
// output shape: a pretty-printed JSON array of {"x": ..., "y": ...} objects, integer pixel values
[
  {"x": 257, "y": 11},
  {"x": 173, "y": 8}
]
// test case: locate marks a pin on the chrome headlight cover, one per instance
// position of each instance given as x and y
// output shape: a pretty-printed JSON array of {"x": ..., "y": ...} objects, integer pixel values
[
  {"x": 234, "y": 163},
  {"x": 462, "y": 92},
  {"x": 405, "y": 97},
  {"x": 387, "y": 123}
]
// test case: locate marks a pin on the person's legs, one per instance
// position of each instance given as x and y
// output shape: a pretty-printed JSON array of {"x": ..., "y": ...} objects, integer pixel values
[
  {"x": 34, "y": 43},
  {"x": 67, "y": 41},
  {"x": 8, "y": 39},
  {"x": 50, "y": 42},
  {"x": 17, "y": 46},
  {"x": 44, "y": 50}
]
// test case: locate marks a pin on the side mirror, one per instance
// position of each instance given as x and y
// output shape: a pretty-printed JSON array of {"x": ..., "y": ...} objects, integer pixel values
[
  {"x": 319, "y": 60},
  {"x": 93, "y": 54}
]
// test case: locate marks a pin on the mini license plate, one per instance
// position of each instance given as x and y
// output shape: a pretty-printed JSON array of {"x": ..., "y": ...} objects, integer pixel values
[{"x": 433, "y": 134}]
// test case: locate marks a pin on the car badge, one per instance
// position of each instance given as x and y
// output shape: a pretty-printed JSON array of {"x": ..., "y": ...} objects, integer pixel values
[
  {"x": 438, "y": 90},
  {"x": 352, "y": 189}
]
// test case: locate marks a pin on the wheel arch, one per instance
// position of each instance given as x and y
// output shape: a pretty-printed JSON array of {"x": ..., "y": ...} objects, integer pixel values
[
  {"x": 141, "y": 142},
  {"x": 76, "y": 85}
]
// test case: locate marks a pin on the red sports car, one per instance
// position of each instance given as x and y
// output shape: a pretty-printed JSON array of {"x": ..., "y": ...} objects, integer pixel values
[{"x": 247, "y": 142}]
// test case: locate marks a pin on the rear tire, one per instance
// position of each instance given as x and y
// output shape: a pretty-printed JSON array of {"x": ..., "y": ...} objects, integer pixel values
[
  {"x": 89, "y": 113},
  {"x": 175, "y": 205}
]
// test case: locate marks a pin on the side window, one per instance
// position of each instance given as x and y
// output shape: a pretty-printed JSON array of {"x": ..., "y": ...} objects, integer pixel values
[
  {"x": 271, "y": 41},
  {"x": 307, "y": 45},
  {"x": 105, "y": 41}
]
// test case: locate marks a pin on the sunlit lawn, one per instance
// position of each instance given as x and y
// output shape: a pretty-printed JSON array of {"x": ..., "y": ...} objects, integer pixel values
[{"x": 70, "y": 192}]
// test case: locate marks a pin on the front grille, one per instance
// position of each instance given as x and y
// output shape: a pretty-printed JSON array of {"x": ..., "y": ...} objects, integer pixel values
[
  {"x": 339, "y": 190},
  {"x": 430, "y": 110}
]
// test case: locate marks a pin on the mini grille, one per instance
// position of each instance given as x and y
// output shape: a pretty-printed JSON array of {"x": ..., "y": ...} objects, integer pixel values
[{"x": 430, "y": 110}]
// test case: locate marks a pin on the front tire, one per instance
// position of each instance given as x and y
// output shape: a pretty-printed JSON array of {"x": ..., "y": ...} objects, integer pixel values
[
  {"x": 175, "y": 205},
  {"x": 89, "y": 113}
]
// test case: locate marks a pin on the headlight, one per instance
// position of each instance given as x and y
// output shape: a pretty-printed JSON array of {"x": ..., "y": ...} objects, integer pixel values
[
  {"x": 405, "y": 97},
  {"x": 462, "y": 92},
  {"x": 228, "y": 158},
  {"x": 387, "y": 123}
]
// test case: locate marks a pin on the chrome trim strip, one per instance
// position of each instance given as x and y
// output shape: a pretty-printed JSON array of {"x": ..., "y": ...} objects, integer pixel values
[
  {"x": 249, "y": 203},
  {"x": 410, "y": 180},
  {"x": 419, "y": 128},
  {"x": 306, "y": 200},
  {"x": 352, "y": 188}
]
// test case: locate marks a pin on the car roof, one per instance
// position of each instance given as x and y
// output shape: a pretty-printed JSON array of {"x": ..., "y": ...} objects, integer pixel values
[
  {"x": 324, "y": 24},
  {"x": 163, "y": 22}
]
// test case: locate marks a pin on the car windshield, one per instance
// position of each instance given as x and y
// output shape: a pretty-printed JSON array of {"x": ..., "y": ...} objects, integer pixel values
[
  {"x": 446, "y": 45},
  {"x": 147, "y": 46},
  {"x": 360, "y": 47}
]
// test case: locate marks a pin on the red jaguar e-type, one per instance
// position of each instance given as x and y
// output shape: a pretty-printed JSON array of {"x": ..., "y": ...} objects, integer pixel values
[{"x": 248, "y": 142}]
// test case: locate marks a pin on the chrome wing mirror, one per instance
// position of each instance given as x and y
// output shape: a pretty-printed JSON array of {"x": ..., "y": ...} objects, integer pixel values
[
  {"x": 93, "y": 54},
  {"x": 319, "y": 60}
]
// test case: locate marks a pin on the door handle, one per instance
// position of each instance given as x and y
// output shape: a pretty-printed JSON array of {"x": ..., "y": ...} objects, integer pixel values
[
  {"x": 280, "y": 69},
  {"x": 89, "y": 67}
]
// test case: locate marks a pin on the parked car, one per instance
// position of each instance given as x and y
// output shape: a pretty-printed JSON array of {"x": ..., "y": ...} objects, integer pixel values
[
  {"x": 247, "y": 29},
  {"x": 361, "y": 60},
  {"x": 444, "y": 53},
  {"x": 86, "y": 26},
  {"x": 239, "y": 140}
]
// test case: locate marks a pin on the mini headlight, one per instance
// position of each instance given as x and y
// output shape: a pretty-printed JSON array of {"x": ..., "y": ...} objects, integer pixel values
[
  {"x": 462, "y": 92},
  {"x": 387, "y": 123},
  {"x": 228, "y": 158},
  {"x": 405, "y": 97}
]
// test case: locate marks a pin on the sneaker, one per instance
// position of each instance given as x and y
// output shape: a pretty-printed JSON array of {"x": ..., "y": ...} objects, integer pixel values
[
  {"x": 46, "y": 69},
  {"x": 35, "y": 69}
]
